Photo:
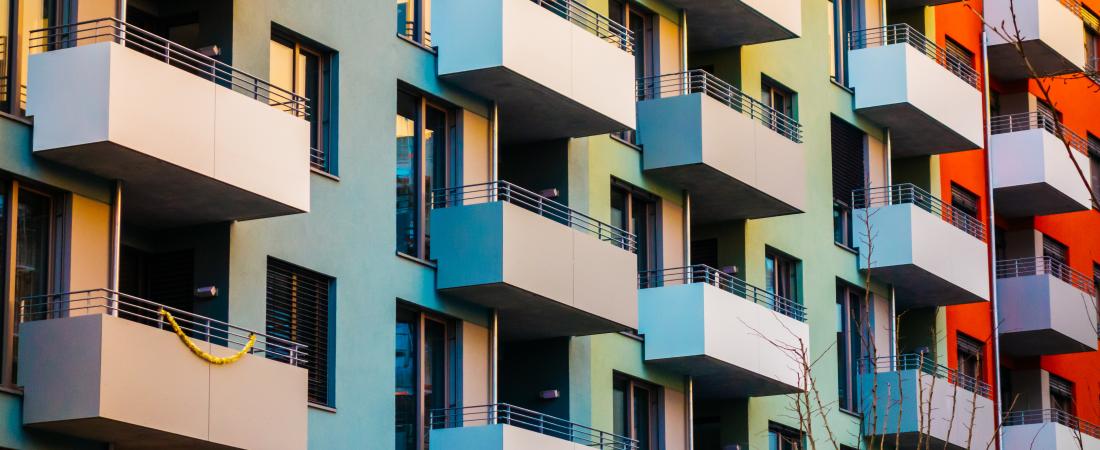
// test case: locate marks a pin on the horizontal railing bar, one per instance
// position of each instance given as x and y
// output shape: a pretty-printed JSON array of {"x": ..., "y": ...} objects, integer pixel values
[
  {"x": 457, "y": 417},
  {"x": 1035, "y": 120},
  {"x": 908, "y": 193},
  {"x": 1045, "y": 265},
  {"x": 913, "y": 361},
  {"x": 1042, "y": 416},
  {"x": 901, "y": 33},
  {"x": 700, "y": 273}
]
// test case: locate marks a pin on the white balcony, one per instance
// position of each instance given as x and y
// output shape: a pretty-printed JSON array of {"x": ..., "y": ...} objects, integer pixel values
[
  {"x": 549, "y": 271},
  {"x": 1048, "y": 429},
  {"x": 188, "y": 148},
  {"x": 1031, "y": 174},
  {"x": 929, "y": 98},
  {"x": 737, "y": 340},
  {"x": 934, "y": 254},
  {"x": 1045, "y": 308},
  {"x": 1052, "y": 33},
  {"x": 716, "y": 24},
  {"x": 913, "y": 399},
  {"x": 556, "y": 68},
  {"x": 739, "y": 158},
  {"x": 107, "y": 367},
  {"x": 507, "y": 427}
]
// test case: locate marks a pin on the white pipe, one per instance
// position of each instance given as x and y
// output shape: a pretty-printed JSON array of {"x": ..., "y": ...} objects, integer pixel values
[
  {"x": 992, "y": 242},
  {"x": 494, "y": 357},
  {"x": 689, "y": 412},
  {"x": 494, "y": 143},
  {"x": 116, "y": 245}
]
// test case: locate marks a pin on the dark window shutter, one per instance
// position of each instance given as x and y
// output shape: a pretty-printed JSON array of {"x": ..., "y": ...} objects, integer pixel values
[
  {"x": 848, "y": 174},
  {"x": 1055, "y": 250},
  {"x": 964, "y": 200},
  {"x": 298, "y": 311},
  {"x": 705, "y": 252}
]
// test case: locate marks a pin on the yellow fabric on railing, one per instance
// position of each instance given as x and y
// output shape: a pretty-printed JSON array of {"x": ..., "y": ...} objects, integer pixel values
[{"x": 199, "y": 352}]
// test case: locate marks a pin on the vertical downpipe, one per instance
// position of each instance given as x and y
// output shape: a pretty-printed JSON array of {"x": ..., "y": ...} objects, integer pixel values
[
  {"x": 494, "y": 326},
  {"x": 689, "y": 413},
  {"x": 992, "y": 243},
  {"x": 116, "y": 245},
  {"x": 889, "y": 178},
  {"x": 494, "y": 348}
]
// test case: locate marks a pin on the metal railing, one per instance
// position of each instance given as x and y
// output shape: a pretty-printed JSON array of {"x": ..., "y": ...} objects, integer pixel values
[
  {"x": 1056, "y": 416},
  {"x": 588, "y": 19},
  {"x": 104, "y": 301},
  {"x": 700, "y": 81},
  {"x": 1036, "y": 120},
  {"x": 506, "y": 414},
  {"x": 503, "y": 191},
  {"x": 927, "y": 365},
  {"x": 1045, "y": 265},
  {"x": 110, "y": 29},
  {"x": 900, "y": 33},
  {"x": 705, "y": 274},
  {"x": 910, "y": 194}
]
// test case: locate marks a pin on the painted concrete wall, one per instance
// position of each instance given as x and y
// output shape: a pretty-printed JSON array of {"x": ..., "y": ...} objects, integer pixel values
[
  {"x": 1048, "y": 21},
  {"x": 1044, "y": 303},
  {"x": 89, "y": 244},
  {"x": 498, "y": 437},
  {"x": 1038, "y": 158},
  {"x": 909, "y": 402},
  {"x": 1050, "y": 435}
]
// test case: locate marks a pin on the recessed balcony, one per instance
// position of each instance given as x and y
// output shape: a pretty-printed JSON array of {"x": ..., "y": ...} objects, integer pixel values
[
  {"x": 1032, "y": 175},
  {"x": 719, "y": 24},
  {"x": 737, "y": 340},
  {"x": 108, "y": 367},
  {"x": 933, "y": 253},
  {"x": 192, "y": 140},
  {"x": 930, "y": 98},
  {"x": 556, "y": 68},
  {"x": 1045, "y": 307},
  {"x": 913, "y": 399},
  {"x": 550, "y": 271},
  {"x": 1048, "y": 429},
  {"x": 507, "y": 427},
  {"x": 1051, "y": 32},
  {"x": 739, "y": 158}
]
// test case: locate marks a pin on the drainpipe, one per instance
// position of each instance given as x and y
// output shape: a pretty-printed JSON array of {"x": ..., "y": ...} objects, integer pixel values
[
  {"x": 689, "y": 406},
  {"x": 494, "y": 335},
  {"x": 992, "y": 245},
  {"x": 889, "y": 178},
  {"x": 494, "y": 143},
  {"x": 494, "y": 325},
  {"x": 116, "y": 244}
]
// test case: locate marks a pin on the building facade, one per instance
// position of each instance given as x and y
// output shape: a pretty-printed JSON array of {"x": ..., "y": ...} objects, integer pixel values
[{"x": 550, "y": 224}]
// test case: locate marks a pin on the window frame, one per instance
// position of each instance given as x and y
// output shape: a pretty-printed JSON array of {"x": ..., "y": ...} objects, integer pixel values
[
  {"x": 793, "y": 268},
  {"x": 787, "y": 438},
  {"x": 656, "y": 408},
  {"x": 451, "y": 364},
  {"x": 452, "y": 156},
  {"x": 329, "y": 333},
  {"x": 970, "y": 356},
  {"x": 848, "y": 361},
  {"x": 653, "y": 239},
  {"x": 320, "y": 113},
  {"x": 421, "y": 24}
]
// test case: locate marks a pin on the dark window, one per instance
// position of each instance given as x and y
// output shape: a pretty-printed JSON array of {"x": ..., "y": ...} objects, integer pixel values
[
  {"x": 635, "y": 211},
  {"x": 969, "y": 356},
  {"x": 848, "y": 175},
  {"x": 958, "y": 58},
  {"x": 845, "y": 16},
  {"x": 1061, "y": 395},
  {"x": 781, "y": 437},
  {"x": 1094, "y": 165},
  {"x": 424, "y": 143},
  {"x": 639, "y": 21},
  {"x": 305, "y": 68},
  {"x": 1055, "y": 250},
  {"x": 636, "y": 411},
  {"x": 424, "y": 373},
  {"x": 781, "y": 272},
  {"x": 1092, "y": 38},
  {"x": 778, "y": 97},
  {"x": 853, "y": 341},
  {"x": 705, "y": 252},
  {"x": 965, "y": 201},
  {"x": 298, "y": 301}
]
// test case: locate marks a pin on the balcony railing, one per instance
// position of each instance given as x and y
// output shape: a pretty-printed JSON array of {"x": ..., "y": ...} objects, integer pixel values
[
  {"x": 960, "y": 65},
  {"x": 503, "y": 191},
  {"x": 1045, "y": 265},
  {"x": 700, "y": 81},
  {"x": 913, "y": 361},
  {"x": 705, "y": 274},
  {"x": 205, "y": 329},
  {"x": 113, "y": 30},
  {"x": 506, "y": 414},
  {"x": 910, "y": 194},
  {"x": 1042, "y": 416},
  {"x": 588, "y": 19},
  {"x": 1036, "y": 120}
]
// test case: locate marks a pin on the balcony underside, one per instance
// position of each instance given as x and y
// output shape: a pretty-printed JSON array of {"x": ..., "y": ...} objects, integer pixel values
[
  {"x": 1037, "y": 199},
  {"x": 525, "y": 315},
  {"x": 906, "y": 4},
  {"x": 126, "y": 436},
  {"x": 1041, "y": 342},
  {"x": 915, "y": 133},
  {"x": 715, "y": 379},
  {"x": 719, "y": 24},
  {"x": 917, "y": 287},
  {"x": 1005, "y": 62},
  {"x": 717, "y": 196}
]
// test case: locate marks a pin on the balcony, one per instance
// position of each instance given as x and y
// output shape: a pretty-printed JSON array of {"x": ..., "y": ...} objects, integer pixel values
[
  {"x": 550, "y": 271},
  {"x": 1031, "y": 174},
  {"x": 719, "y": 24},
  {"x": 107, "y": 367},
  {"x": 934, "y": 254},
  {"x": 739, "y": 158},
  {"x": 913, "y": 399},
  {"x": 1045, "y": 308},
  {"x": 193, "y": 140},
  {"x": 556, "y": 68},
  {"x": 906, "y": 4},
  {"x": 1051, "y": 34},
  {"x": 736, "y": 339},
  {"x": 929, "y": 98},
  {"x": 507, "y": 427},
  {"x": 1048, "y": 429}
]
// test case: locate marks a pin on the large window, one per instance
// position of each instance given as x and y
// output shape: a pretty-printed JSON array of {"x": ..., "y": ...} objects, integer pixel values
[
  {"x": 849, "y": 171},
  {"x": 305, "y": 68},
  {"x": 1061, "y": 395},
  {"x": 424, "y": 374},
  {"x": 1092, "y": 39},
  {"x": 299, "y": 309},
  {"x": 846, "y": 16},
  {"x": 781, "y": 272},
  {"x": 637, "y": 411},
  {"x": 781, "y": 437},
  {"x": 639, "y": 21},
  {"x": 414, "y": 21},
  {"x": 969, "y": 357},
  {"x": 425, "y": 146},
  {"x": 636, "y": 211},
  {"x": 853, "y": 341}
]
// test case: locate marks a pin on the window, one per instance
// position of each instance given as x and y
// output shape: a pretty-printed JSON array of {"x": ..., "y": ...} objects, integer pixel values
[
  {"x": 959, "y": 59},
  {"x": 1061, "y": 395},
  {"x": 636, "y": 411},
  {"x": 846, "y": 17},
  {"x": 853, "y": 341},
  {"x": 1092, "y": 39},
  {"x": 705, "y": 252},
  {"x": 1055, "y": 250},
  {"x": 849, "y": 171},
  {"x": 965, "y": 201},
  {"x": 1094, "y": 165},
  {"x": 305, "y": 69},
  {"x": 782, "y": 275},
  {"x": 781, "y": 437},
  {"x": 425, "y": 140},
  {"x": 639, "y": 21},
  {"x": 635, "y": 211},
  {"x": 969, "y": 356},
  {"x": 778, "y": 97},
  {"x": 424, "y": 370},
  {"x": 298, "y": 301},
  {"x": 413, "y": 21}
]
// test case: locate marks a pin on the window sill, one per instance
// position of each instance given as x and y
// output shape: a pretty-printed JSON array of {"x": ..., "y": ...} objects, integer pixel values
[
  {"x": 20, "y": 119},
  {"x": 841, "y": 86},
  {"x": 421, "y": 261},
  {"x": 12, "y": 390},
  {"x": 624, "y": 142},
  {"x": 846, "y": 248},
  {"x": 417, "y": 44},
  {"x": 852, "y": 414},
  {"x": 321, "y": 407},
  {"x": 324, "y": 174},
  {"x": 632, "y": 335}
]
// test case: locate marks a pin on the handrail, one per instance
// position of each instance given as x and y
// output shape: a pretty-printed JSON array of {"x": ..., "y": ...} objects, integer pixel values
[
  {"x": 901, "y": 33},
  {"x": 1076, "y": 8},
  {"x": 105, "y": 301},
  {"x": 1036, "y": 120},
  {"x": 110, "y": 29},
  {"x": 503, "y": 191},
  {"x": 927, "y": 365},
  {"x": 592, "y": 21},
  {"x": 700, "y": 273},
  {"x": 1045, "y": 265},
  {"x": 910, "y": 194},
  {"x": 1056, "y": 416},
  {"x": 503, "y": 413},
  {"x": 700, "y": 81}
]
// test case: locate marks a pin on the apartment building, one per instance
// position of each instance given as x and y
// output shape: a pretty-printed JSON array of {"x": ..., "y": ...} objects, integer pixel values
[{"x": 549, "y": 224}]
